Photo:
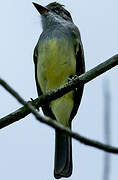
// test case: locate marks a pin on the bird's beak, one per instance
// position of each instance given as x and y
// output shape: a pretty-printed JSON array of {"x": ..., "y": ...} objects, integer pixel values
[{"x": 40, "y": 9}]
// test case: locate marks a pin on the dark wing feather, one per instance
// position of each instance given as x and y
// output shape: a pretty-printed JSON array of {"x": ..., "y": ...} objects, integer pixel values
[
  {"x": 46, "y": 109},
  {"x": 80, "y": 69}
]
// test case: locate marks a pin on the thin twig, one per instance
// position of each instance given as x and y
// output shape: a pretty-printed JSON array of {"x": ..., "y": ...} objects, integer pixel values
[
  {"x": 56, "y": 125},
  {"x": 107, "y": 129}
]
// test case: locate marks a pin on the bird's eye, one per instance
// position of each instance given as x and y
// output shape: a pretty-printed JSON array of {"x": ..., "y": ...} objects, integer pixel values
[{"x": 56, "y": 10}]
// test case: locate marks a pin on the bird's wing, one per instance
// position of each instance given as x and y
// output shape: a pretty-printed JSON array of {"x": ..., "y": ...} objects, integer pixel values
[
  {"x": 80, "y": 69},
  {"x": 46, "y": 109}
]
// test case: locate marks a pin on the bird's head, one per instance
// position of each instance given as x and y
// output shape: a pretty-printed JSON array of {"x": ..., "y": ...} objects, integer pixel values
[{"x": 55, "y": 8}]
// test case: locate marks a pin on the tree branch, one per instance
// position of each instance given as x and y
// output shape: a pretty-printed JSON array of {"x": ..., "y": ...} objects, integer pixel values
[
  {"x": 56, "y": 125},
  {"x": 56, "y": 93}
]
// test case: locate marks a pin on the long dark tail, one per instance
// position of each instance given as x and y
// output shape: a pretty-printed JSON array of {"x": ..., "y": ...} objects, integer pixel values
[{"x": 63, "y": 155}]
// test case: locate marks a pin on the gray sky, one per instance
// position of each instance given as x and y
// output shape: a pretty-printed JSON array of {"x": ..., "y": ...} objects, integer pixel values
[{"x": 27, "y": 147}]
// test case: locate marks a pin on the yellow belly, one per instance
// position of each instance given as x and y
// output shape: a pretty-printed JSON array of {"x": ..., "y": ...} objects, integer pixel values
[{"x": 56, "y": 63}]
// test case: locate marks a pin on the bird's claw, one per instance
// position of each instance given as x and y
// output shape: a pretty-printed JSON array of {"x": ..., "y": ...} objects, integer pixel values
[
  {"x": 32, "y": 102},
  {"x": 72, "y": 78}
]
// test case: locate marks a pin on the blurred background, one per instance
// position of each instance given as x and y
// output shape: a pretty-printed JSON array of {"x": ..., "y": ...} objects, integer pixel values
[{"x": 27, "y": 146}]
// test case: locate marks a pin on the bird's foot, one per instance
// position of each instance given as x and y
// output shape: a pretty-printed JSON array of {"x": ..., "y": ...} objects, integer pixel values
[
  {"x": 72, "y": 78},
  {"x": 32, "y": 102}
]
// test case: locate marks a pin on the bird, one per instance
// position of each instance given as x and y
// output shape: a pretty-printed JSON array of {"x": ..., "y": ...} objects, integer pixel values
[{"x": 58, "y": 57}]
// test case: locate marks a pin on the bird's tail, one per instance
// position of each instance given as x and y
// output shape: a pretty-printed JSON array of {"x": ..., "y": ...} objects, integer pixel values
[{"x": 63, "y": 155}]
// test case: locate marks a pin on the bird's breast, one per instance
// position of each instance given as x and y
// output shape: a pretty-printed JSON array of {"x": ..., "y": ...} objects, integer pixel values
[{"x": 56, "y": 62}]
